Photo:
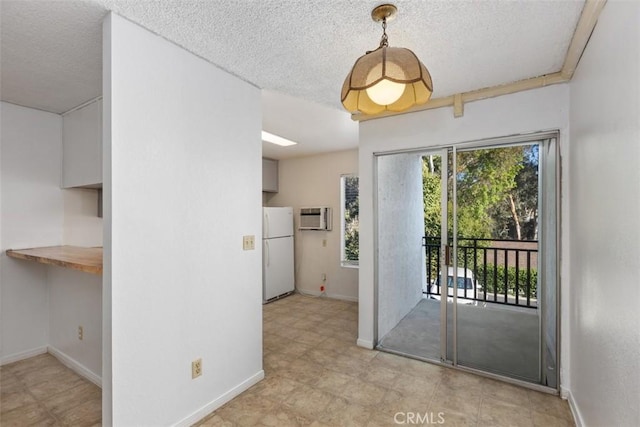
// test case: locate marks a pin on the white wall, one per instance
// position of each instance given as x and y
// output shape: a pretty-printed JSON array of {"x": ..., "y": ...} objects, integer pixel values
[
  {"x": 525, "y": 112},
  {"x": 401, "y": 263},
  {"x": 183, "y": 185},
  {"x": 82, "y": 226},
  {"x": 315, "y": 181},
  {"x": 43, "y": 306},
  {"x": 75, "y": 299},
  {"x": 605, "y": 207},
  {"x": 32, "y": 215},
  {"x": 107, "y": 244}
]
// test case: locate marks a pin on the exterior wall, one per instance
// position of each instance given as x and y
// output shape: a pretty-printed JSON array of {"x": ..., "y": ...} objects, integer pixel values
[
  {"x": 605, "y": 207},
  {"x": 315, "y": 181},
  {"x": 401, "y": 263}
]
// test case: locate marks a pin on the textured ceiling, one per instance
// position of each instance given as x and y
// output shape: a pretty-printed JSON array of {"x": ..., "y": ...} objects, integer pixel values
[
  {"x": 315, "y": 127},
  {"x": 50, "y": 53},
  {"x": 51, "y": 50}
]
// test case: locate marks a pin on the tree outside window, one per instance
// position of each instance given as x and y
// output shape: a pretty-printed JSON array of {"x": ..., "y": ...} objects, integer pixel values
[{"x": 349, "y": 220}]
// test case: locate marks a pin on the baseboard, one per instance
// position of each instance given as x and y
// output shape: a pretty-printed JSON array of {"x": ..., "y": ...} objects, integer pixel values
[
  {"x": 564, "y": 393},
  {"x": 365, "y": 343},
  {"x": 342, "y": 297},
  {"x": 16, "y": 357},
  {"x": 75, "y": 366},
  {"x": 577, "y": 417},
  {"x": 309, "y": 293},
  {"x": 215, "y": 404},
  {"x": 326, "y": 295}
]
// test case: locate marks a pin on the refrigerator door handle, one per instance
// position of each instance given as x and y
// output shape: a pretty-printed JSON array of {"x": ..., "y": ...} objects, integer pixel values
[
  {"x": 266, "y": 234},
  {"x": 267, "y": 248}
]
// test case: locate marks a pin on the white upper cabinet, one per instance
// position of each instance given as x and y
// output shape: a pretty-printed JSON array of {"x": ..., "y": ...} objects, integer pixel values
[
  {"x": 270, "y": 175},
  {"x": 82, "y": 147}
]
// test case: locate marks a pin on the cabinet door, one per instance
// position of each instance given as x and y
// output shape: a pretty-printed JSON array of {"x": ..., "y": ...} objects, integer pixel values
[
  {"x": 82, "y": 147},
  {"x": 270, "y": 175}
]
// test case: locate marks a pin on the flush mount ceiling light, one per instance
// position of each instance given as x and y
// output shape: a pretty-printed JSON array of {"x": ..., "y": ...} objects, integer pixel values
[
  {"x": 278, "y": 140},
  {"x": 388, "y": 78}
]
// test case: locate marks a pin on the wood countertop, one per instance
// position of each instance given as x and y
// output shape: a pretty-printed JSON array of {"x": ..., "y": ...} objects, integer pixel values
[{"x": 78, "y": 258}]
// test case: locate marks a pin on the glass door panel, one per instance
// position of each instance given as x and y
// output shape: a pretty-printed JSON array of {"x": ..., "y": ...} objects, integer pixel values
[
  {"x": 449, "y": 267},
  {"x": 496, "y": 311},
  {"x": 480, "y": 289},
  {"x": 408, "y": 253}
]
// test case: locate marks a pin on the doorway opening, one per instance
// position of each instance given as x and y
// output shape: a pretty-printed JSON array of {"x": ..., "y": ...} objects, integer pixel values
[{"x": 466, "y": 246}]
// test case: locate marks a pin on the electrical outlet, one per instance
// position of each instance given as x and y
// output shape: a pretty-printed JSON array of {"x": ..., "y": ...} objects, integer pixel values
[
  {"x": 196, "y": 368},
  {"x": 248, "y": 243},
  {"x": 80, "y": 333}
]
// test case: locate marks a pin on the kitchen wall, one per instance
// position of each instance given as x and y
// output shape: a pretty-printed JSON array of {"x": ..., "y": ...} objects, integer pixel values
[
  {"x": 315, "y": 181},
  {"x": 32, "y": 215},
  {"x": 605, "y": 207},
  {"x": 42, "y": 306},
  {"x": 182, "y": 184},
  {"x": 401, "y": 259},
  {"x": 82, "y": 226},
  {"x": 524, "y": 112},
  {"x": 75, "y": 299}
]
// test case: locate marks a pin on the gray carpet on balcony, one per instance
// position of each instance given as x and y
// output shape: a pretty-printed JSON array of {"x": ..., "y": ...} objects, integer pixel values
[{"x": 493, "y": 338}]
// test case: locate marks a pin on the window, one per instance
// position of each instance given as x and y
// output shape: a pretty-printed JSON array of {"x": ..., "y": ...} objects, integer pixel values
[{"x": 349, "y": 220}]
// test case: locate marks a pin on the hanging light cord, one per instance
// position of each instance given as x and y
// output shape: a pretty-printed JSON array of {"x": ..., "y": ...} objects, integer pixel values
[{"x": 384, "y": 41}]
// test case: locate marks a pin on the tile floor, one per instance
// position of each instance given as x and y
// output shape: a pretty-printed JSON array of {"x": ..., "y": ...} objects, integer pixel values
[
  {"x": 40, "y": 391},
  {"x": 315, "y": 375}
]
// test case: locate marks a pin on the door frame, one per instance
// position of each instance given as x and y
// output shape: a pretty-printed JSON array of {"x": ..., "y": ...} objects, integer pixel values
[{"x": 494, "y": 142}]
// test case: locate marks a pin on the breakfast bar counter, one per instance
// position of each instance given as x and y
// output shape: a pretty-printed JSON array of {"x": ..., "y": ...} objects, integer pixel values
[{"x": 88, "y": 260}]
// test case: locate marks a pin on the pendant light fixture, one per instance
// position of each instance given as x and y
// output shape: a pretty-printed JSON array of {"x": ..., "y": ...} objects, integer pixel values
[{"x": 388, "y": 78}]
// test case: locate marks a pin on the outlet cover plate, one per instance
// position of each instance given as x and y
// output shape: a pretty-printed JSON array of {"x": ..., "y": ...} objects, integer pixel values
[{"x": 196, "y": 368}]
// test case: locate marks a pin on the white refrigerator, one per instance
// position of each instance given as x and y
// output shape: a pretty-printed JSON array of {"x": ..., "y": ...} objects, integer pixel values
[{"x": 277, "y": 252}]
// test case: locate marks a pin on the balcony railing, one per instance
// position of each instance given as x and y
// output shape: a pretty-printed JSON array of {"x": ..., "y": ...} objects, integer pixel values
[{"x": 490, "y": 270}]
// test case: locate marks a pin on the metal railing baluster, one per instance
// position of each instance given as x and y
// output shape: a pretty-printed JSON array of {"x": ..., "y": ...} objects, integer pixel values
[
  {"x": 478, "y": 269},
  {"x": 517, "y": 291},
  {"x": 528, "y": 278},
  {"x": 506, "y": 276}
]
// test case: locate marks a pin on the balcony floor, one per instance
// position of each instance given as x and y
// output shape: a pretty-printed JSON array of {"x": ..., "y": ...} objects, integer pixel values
[{"x": 491, "y": 337}]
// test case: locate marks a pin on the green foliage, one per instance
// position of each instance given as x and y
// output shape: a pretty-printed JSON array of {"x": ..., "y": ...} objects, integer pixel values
[
  {"x": 352, "y": 251},
  {"x": 520, "y": 220},
  {"x": 484, "y": 179},
  {"x": 511, "y": 280},
  {"x": 497, "y": 197},
  {"x": 431, "y": 191},
  {"x": 351, "y": 219},
  {"x": 487, "y": 180}
]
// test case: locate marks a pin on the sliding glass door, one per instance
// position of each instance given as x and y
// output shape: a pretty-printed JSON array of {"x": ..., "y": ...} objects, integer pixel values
[{"x": 480, "y": 290}]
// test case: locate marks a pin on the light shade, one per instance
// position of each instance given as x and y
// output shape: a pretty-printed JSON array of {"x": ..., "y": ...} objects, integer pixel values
[{"x": 389, "y": 78}]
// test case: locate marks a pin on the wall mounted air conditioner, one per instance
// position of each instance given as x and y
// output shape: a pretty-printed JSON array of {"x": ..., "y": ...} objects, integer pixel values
[{"x": 315, "y": 218}]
